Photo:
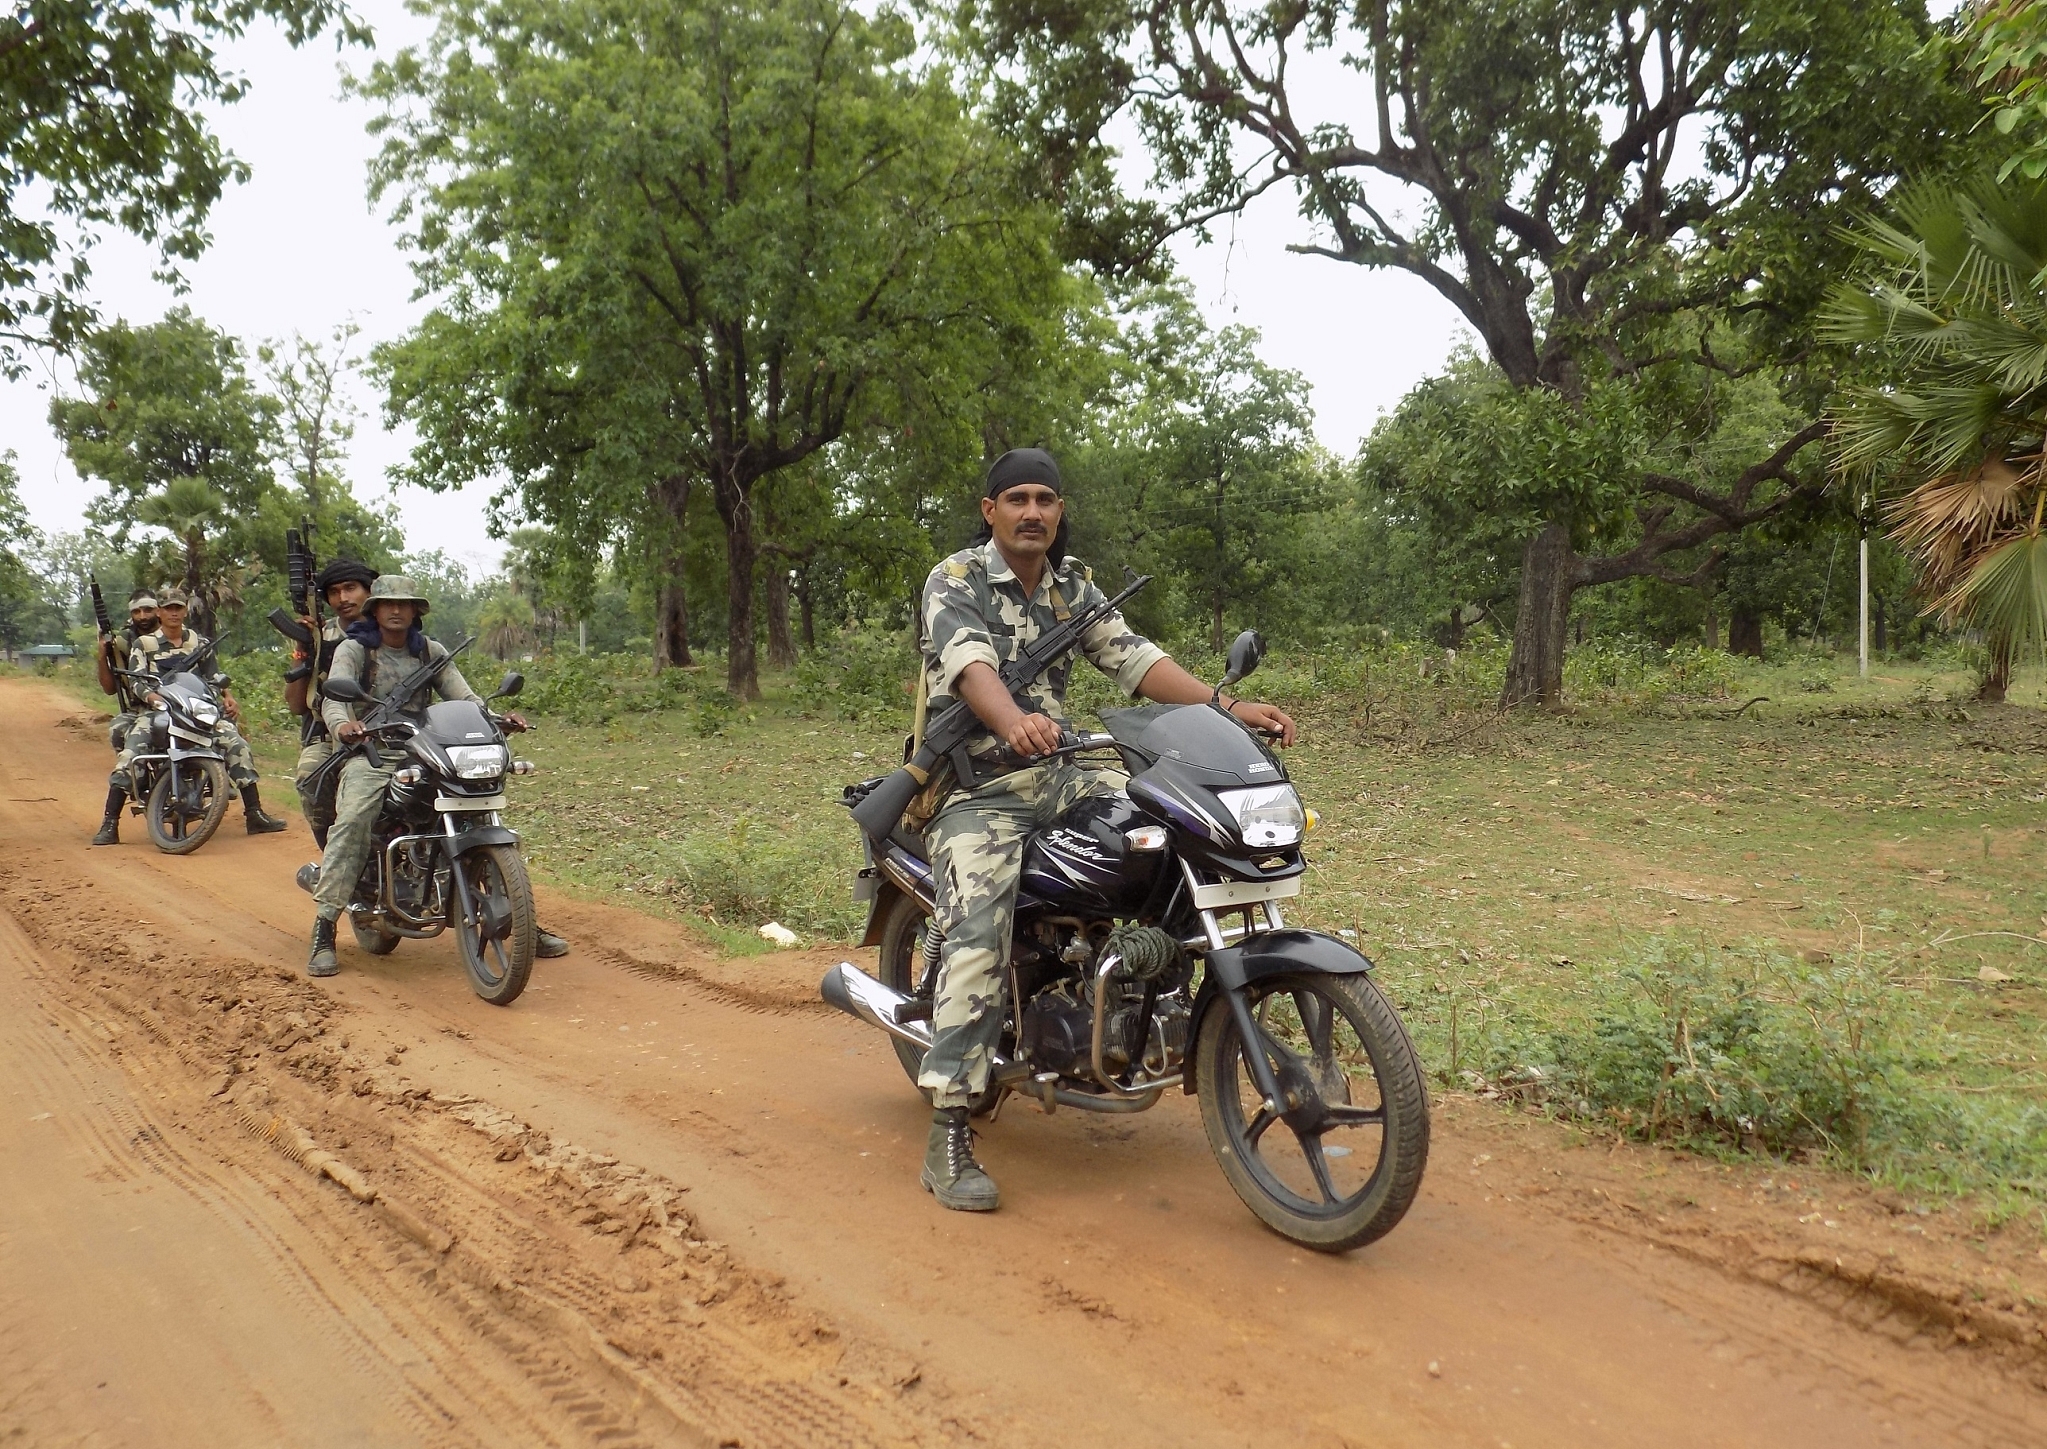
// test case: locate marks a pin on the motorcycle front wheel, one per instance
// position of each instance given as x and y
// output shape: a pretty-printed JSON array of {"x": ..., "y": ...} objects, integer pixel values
[
  {"x": 498, "y": 968},
  {"x": 180, "y": 825},
  {"x": 1340, "y": 1165},
  {"x": 901, "y": 968}
]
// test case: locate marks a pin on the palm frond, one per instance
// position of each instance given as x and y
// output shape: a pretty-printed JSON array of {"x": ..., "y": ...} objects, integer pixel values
[{"x": 2005, "y": 594}]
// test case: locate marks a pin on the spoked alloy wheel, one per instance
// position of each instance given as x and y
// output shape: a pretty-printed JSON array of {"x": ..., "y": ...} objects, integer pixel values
[
  {"x": 179, "y": 826},
  {"x": 901, "y": 967},
  {"x": 1341, "y": 1162},
  {"x": 498, "y": 967}
]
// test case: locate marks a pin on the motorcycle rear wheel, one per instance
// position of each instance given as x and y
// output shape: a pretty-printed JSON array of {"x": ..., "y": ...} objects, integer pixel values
[
  {"x": 498, "y": 969},
  {"x": 899, "y": 968},
  {"x": 180, "y": 827},
  {"x": 1349, "y": 1173}
]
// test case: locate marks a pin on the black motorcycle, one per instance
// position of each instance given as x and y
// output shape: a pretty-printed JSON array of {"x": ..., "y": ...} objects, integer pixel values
[
  {"x": 1149, "y": 952},
  {"x": 179, "y": 783},
  {"x": 439, "y": 856}
]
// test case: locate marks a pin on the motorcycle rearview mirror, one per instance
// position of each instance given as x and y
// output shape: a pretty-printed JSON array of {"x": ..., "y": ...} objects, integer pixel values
[
  {"x": 1245, "y": 652},
  {"x": 221, "y": 681},
  {"x": 348, "y": 691},
  {"x": 510, "y": 685}
]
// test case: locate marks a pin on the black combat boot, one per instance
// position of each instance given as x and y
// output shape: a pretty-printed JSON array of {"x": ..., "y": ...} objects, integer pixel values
[
  {"x": 252, "y": 811},
  {"x": 110, "y": 826},
  {"x": 950, "y": 1173},
  {"x": 550, "y": 945},
  {"x": 322, "y": 962}
]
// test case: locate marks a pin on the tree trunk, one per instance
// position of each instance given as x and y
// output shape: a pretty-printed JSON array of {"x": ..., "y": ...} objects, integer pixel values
[
  {"x": 1535, "y": 666},
  {"x": 671, "y": 607},
  {"x": 1882, "y": 642},
  {"x": 1712, "y": 624},
  {"x": 808, "y": 607},
  {"x": 1454, "y": 639},
  {"x": 735, "y": 507},
  {"x": 1744, "y": 632},
  {"x": 781, "y": 642},
  {"x": 1996, "y": 670}
]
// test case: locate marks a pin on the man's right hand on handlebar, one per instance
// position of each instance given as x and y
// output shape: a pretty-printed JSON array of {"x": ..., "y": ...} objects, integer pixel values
[
  {"x": 1034, "y": 734},
  {"x": 351, "y": 732}
]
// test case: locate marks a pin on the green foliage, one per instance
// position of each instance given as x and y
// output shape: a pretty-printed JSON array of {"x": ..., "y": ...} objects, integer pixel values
[
  {"x": 860, "y": 675},
  {"x": 2008, "y": 59},
  {"x": 694, "y": 244},
  {"x": 1744, "y": 1048},
  {"x": 102, "y": 125}
]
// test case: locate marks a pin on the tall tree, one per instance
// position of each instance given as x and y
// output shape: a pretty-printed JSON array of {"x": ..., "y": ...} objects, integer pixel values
[
  {"x": 317, "y": 417},
  {"x": 102, "y": 124},
  {"x": 771, "y": 214},
  {"x": 1599, "y": 190}
]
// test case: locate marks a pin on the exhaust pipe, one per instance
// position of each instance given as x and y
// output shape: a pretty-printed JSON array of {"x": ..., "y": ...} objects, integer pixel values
[{"x": 863, "y": 998}]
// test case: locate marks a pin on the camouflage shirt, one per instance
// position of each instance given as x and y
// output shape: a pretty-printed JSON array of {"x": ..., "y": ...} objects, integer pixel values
[
  {"x": 145, "y": 652},
  {"x": 390, "y": 668},
  {"x": 975, "y": 610}
]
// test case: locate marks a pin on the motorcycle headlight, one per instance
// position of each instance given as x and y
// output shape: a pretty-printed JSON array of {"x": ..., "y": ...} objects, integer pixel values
[
  {"x": 478, "y": 762},
  {"x": 204, "y": 713},
  {"x": 1267, "y": 815}
]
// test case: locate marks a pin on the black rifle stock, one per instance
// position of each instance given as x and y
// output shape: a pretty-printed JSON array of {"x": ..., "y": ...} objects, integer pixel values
[{"x": 878, "y": 812}]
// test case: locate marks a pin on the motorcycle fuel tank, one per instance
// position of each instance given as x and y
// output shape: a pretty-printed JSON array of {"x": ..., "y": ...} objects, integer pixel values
[{"x": 1083, "y": 863}]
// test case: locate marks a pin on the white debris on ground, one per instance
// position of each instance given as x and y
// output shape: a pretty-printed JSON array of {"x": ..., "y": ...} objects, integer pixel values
[{"x": 780, "y": 934}]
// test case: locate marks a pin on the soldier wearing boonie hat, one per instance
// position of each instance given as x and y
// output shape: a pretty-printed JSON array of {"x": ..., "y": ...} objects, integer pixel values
[{"x": 382, "y": 649}]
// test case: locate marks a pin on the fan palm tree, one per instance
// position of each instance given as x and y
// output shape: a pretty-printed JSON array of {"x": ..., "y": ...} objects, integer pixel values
[
  {"x": 507, "y": 623},
  {"x": 1956, "y": 294},
  {"x": 187, "y": 508}
]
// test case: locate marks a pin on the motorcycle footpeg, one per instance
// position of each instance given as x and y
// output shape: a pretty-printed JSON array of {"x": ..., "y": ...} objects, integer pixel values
[{"x": 915, "y": 1009}]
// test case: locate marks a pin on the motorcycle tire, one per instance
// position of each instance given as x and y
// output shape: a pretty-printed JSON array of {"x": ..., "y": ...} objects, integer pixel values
[
  {"x": 1349, "y": 1043},
  {"x": 901, "y": 956},
  {"x": 373, "y": 938},
  {"x": 499, "y": 969},
  {"x": 179, "y": 828}
]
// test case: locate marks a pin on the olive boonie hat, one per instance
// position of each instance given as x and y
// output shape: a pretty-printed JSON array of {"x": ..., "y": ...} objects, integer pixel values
[
  {"x": 173, "y": 598},
  {"x": 396, "y": 588}
]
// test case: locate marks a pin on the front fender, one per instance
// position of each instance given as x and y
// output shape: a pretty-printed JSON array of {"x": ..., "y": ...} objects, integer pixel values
[
  {"x": 1268, "y": 953},
  {"x": 464, "y": 841}
]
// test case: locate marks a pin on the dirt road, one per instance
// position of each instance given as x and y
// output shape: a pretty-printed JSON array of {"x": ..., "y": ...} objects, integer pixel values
[{"x": 666, "y": 1199}]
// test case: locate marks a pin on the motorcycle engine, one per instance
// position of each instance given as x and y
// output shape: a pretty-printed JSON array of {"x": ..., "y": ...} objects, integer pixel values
[{"x": 1057, "y": 1031}]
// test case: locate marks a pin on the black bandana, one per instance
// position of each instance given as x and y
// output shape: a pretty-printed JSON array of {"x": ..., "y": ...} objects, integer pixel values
[
  {"x": 1023, "y": 465},
  {"x": 344, "y": 571}
]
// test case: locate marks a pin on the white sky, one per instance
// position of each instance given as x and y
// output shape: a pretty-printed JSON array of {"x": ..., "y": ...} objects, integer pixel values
[{"x": 299, "y": 249}]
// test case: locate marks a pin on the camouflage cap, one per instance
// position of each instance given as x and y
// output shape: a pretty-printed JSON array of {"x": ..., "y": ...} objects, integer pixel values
[
  {"x": 395, "y": 588},
  {"x": 173, "y": 597}
]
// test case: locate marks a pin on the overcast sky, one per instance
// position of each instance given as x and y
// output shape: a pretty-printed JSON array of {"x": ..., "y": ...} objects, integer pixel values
[{"x": 300, "y": 249}]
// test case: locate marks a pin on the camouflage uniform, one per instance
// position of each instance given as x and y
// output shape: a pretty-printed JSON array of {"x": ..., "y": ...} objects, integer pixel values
[
  {"x": 360, "y": 793},
  {"x": 319, "y": 739},
  {"x": 143, "y": 655},
  {"x": 131, "y": 704},
  {"x": 975, "y": 610}
]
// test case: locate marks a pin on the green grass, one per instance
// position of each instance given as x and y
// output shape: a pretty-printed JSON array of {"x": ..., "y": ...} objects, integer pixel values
[{"x": 1811, "y": 928}]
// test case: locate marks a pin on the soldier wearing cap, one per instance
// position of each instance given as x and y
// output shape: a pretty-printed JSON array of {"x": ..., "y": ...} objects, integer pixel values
[
  {"x": 344, "y": 587},
  {"x": 146, "y": 656},
  {"x": 381, "y": 651},
  {"x": 113, "y": 656},
  {"x": 980, "y": 608}
]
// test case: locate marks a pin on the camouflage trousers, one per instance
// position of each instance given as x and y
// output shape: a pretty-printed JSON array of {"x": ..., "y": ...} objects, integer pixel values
[
  {"x": 977, "y": 848},
  {"x": 117, "y": 732},
  {"x": 357, "y": 799},
  {"x": 318, "y": 805},
  {"x": 234, "y": 750}
]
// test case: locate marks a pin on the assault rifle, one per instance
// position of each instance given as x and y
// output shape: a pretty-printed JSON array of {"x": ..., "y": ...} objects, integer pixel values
[
  {"x": 379, "y": 714},
  {"x": 300, "y": 568},
  {"x": 99, "y": 610},
  {"x": 882, "y": 807}
]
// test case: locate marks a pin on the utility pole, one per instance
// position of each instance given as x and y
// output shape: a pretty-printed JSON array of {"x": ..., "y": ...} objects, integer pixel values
[
  {"x": 583, "y": 635},
  {"x": 1863, "y": 621}
]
